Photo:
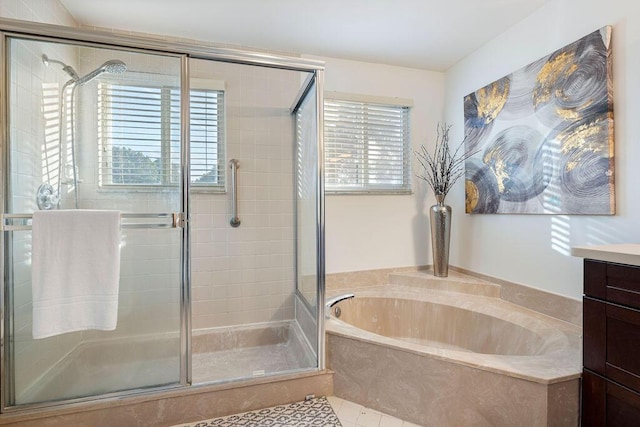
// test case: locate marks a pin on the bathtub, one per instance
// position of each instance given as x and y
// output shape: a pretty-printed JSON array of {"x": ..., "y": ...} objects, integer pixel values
[{"x": 444, "y": 358}]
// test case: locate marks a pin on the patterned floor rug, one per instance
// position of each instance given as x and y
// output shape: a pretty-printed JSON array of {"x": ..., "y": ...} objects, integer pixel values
[{"x": 310, "y": 413}]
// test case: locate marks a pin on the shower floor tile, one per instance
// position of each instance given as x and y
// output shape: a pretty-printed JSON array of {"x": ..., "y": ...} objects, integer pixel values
[{"x": 246, "y": 362}]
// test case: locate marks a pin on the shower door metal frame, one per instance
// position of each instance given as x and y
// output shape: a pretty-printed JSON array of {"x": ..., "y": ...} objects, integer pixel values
[
  {"x": 179, "y": 220},
  {"x": 186, "y": 51},
  {"x": 6, "y": 292},
  {"x": 320, "y": 310},
  {"x": 185, "y": 258},
  {"x": 316, "y": 80}
]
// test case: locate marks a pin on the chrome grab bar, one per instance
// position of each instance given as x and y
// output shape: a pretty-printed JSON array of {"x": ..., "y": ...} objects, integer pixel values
[
  {"x": 17, "y": 222},
  {"x": 234, "y": 164}
]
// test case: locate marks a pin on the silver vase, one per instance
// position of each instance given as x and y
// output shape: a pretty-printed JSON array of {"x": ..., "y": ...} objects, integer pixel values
[{"x": 440, "y": 218}]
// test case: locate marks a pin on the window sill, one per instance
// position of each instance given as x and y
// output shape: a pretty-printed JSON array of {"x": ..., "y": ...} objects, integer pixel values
[{"x": 368, "y": 193}]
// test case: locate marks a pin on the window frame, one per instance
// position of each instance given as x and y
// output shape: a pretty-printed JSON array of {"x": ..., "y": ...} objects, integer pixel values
[
  {"x": 166, "y": 84},
  {"x": 367, "y": 188}
]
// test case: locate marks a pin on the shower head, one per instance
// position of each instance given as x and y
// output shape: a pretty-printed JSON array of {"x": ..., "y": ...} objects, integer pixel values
[
  {"x": 113, "y": 66},
  {"x": 66, "y": 68}
]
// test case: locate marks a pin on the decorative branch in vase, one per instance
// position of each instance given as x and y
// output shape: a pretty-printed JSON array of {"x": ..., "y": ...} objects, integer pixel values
[{"x": 441, "y": 169}]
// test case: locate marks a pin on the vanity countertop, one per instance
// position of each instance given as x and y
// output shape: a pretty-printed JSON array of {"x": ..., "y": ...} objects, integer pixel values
[{"x": 624, "y": 253}]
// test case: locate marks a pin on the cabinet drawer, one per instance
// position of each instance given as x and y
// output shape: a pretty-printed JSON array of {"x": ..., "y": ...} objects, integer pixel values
[
  {"x": 623, "y": 285},
  {"x": 612, "y": 282}
]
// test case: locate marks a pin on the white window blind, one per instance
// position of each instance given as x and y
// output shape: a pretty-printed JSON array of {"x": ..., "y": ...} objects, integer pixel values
[
  {"x": 206, "y": 128},
  {"x": 139, "y": 135},
  {"x": 367, "y": 147}
]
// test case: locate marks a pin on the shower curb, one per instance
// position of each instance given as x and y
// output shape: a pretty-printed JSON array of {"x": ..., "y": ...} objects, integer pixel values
[{"x": 181, "y": 405}]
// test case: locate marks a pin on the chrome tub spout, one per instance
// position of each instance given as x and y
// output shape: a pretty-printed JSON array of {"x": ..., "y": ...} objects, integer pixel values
[{"x": 333, "y": 301}]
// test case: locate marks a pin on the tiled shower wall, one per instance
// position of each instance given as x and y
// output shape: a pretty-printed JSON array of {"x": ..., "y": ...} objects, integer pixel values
[
  {"x": 46, "y": 11},
  {"x": 149, "y": 300},
  {"x": 246, "y": 274},
  {"x": 239, "y": 276},
  {"x": 34, "y": 92}
]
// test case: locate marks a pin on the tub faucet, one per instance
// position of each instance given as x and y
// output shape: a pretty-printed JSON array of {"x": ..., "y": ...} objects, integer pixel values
[{"x": 333, "y": 301}]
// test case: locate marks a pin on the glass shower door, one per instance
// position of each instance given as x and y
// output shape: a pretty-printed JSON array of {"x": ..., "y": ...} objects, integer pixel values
[
  {"x": 95, "y": 129},
  {"x": 307, "y": 215},
  {"x": 246, "y": 322}
]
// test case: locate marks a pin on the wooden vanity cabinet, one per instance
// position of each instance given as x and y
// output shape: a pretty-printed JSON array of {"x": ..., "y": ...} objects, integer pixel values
[{"x": 611, "y": 345}]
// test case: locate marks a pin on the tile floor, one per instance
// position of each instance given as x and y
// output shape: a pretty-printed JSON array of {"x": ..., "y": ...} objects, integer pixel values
[{"x": 353, "y": 415}]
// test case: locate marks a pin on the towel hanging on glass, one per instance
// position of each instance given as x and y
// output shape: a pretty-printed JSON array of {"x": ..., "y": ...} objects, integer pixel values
[{"x": 75, "y": 271}]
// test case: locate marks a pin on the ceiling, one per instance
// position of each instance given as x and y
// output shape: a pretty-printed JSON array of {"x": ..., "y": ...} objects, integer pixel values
[{"x": 426, "y": 34}]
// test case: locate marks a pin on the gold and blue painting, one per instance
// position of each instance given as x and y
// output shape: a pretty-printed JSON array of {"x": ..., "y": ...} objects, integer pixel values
[{"x": 542, "y": 137}]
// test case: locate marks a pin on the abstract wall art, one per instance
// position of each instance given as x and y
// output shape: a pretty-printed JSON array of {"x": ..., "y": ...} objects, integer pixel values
[{"x": 542, "y": 137}]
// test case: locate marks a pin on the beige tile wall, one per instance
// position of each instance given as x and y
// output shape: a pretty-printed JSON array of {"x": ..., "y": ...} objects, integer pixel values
[
  {"x": 47, "y": 11},
  {"x": 246, "y": 274},
  {"x": 240, "y": 276},
  {"x": 33, "y": 128}
]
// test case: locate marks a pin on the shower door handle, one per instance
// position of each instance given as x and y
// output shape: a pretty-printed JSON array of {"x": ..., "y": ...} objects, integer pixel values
[{"x": 235, "y": 219}]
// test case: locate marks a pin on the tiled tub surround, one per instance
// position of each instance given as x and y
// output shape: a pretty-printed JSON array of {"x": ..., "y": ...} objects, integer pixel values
[
  {"x": 443, "y": 357},
  {"x": 554, "y": 305}
]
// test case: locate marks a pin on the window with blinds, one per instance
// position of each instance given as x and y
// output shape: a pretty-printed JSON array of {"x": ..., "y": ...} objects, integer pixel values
[
  {"x": 139, "y": 135},
  {"x": 367, "y": 147},
  {"x": 206, "y": 129}
]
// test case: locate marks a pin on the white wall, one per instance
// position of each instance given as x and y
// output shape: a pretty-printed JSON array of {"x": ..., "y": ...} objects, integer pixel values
[
  {"x": 372, "y": 232},
  {"x": 534, "y": 250}
]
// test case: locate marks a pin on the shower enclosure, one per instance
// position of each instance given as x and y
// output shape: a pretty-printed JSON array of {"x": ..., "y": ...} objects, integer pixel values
[{"x": 213, "y": 159}]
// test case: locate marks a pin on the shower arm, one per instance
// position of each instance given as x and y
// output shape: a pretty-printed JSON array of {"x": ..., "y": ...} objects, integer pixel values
[
  {"x": 73, "y": 146},
  {"x": 113, "y": 66},
  {"x": 61, "y": 134}
]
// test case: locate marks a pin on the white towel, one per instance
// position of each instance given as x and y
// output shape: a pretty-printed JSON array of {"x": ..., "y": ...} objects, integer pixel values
[{"x": 75, "y": 271}]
